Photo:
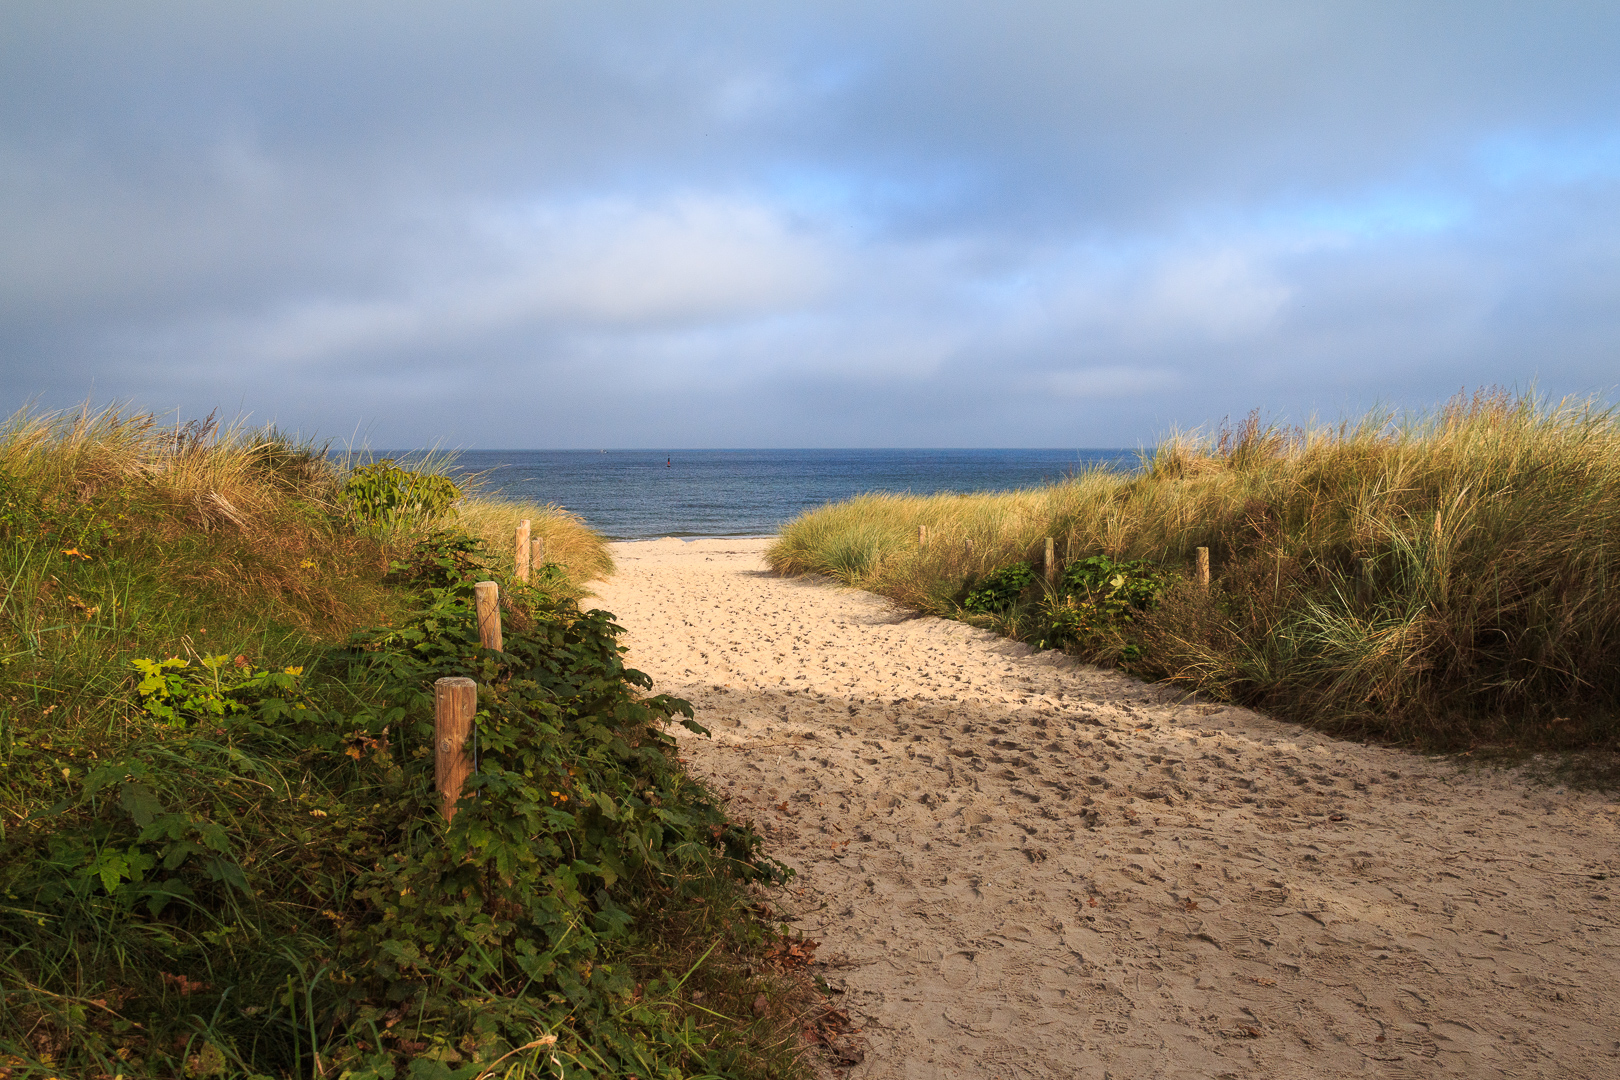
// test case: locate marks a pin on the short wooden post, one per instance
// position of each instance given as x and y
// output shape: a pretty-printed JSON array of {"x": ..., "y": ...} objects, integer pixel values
[
  {"x": 537, "y": 554},
  {"x": 922, "y": 536},
  {"x": 520, "y": 552},
  {"x": 1203, "y": 568},
  {"x": 455, "y": 701},
  {"x": 487, "y": 594},
  {"x": 1051, "y": 560}
]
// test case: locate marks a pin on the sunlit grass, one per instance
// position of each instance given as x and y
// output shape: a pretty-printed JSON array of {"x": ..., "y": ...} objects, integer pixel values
[
  {"x": 568, "y": 541},
  {"x": 1446, "y": 578}
]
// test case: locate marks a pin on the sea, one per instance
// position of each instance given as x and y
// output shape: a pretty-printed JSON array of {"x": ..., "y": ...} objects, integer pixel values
[{"x": 643, "y": 494}]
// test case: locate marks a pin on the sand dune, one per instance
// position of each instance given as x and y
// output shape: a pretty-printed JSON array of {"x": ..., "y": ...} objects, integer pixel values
[{"x": 1023, "y": 867}]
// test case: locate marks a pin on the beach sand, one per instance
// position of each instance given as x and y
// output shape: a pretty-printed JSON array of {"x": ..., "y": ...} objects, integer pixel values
[{"x": 1018, "y": 866}]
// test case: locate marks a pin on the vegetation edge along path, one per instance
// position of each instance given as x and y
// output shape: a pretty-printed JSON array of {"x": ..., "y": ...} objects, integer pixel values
[{"x": 220, "y": 851}]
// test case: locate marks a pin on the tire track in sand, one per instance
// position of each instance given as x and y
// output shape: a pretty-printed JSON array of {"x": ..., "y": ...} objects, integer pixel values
[{"x": 1023, "y": 867}]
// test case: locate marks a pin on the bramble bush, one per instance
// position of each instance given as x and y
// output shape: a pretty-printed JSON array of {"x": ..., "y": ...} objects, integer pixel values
[
  {"x": 1097, "y": 601},
  {"x": 263, "y": 886},
  {"x": 999, "y": 590},
  {"x": 1089, "y": 610}
]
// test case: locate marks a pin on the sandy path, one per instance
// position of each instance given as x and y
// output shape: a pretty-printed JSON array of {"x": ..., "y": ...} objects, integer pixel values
[{"x": 1020, "y": 867}]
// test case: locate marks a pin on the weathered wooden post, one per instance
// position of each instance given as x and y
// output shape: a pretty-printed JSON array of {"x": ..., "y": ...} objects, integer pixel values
[
  {"x": 1051, "y": 560},
  {"x": 537, "y": 554},
  {"x": 922, "y": 536},
  {"x": 486, "y": 595},
  {"x": 455, "y": 701},
  {"x": 1203, "y": 568},
  {"x": 520, "y": 552}
]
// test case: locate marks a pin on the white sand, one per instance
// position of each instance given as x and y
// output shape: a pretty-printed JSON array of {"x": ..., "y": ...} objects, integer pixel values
[{"x": 1022, "y": 867}]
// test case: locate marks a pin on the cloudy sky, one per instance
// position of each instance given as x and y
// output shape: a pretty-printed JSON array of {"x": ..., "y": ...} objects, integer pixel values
[{"x": 754, "y": 224}]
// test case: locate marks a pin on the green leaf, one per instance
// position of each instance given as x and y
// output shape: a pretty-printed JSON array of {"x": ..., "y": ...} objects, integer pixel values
[{"x": 140, "y": 802}]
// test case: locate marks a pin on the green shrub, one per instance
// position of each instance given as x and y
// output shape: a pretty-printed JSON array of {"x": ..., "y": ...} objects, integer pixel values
[
  {"x": 1098, "y": 598},
  {"x": 181, "y": 695},
  {"x": 383, "y": 493},
  {"x": 1130, "y": 584},
  {"x": 999, "y": 590}
]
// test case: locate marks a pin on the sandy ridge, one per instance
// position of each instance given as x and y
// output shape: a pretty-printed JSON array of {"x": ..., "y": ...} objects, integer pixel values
[{"x": 1022, "y": 867}]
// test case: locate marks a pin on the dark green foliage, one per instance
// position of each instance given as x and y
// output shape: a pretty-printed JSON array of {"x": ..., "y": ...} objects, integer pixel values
[
  {"x": 1134, "y": 583},
  {"x": 1094, "y": 602},
  {"x": 1097, "y": 601},
  {"x": 261, "y": 885},
  {"x": 999, "y": 590}
]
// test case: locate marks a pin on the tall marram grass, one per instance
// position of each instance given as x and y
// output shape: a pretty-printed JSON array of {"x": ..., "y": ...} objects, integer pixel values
[{"x": 1447, "y": 579}]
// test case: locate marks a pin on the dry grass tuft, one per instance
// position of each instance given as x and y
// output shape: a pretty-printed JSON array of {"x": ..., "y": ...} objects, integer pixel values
[{"x": 570, "y": 543}]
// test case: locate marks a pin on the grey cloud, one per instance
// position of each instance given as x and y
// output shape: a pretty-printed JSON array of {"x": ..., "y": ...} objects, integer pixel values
[{"x": 831, "y": 224}]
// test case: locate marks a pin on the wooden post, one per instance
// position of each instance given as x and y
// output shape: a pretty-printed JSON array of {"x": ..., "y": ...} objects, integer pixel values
[
  {"x": 520, "y": 552},
  {"x": 487, "y": 596},
  {"x": 454, "y": 703},
  {"x": 1051, "y": 560},
  {"x": 1203, "y": 568},
  {"x": 537, "y": 554},
  {"x": 922, "y": 536}
]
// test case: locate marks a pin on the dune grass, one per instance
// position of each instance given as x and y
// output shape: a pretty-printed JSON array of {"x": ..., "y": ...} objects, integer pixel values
[
  {"x": 1447, "y": 580},
  {"x": 231, "y": 865},
  {"x": 578, "y": 553}
]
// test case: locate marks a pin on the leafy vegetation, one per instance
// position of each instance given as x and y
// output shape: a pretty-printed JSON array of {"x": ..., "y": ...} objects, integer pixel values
[
  {"x": 1092, "y": 602},
  {"x": 229, "y": 862},
  {"x": 383, "y": 493},
  {"x": 1000, "y": 590},
  {"x": 1445, "y": 580}
]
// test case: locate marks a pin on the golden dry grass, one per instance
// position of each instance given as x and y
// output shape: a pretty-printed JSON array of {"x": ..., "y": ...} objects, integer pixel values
[
  {"x": 1449, "y": 577},
  {"x": 569, "y": 542}
]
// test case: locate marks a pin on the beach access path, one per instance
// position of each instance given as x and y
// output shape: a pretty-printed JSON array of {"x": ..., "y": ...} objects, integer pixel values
[{"x": 1018, "y": 866}]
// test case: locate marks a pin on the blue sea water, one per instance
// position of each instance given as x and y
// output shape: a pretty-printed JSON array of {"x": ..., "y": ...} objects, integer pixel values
[{"x": 639, "y": 494}]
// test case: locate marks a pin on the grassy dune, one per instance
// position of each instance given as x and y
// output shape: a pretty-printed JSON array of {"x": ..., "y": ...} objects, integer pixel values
[
  {"x": 1449, "y": 580},
  {"x": 575, "y": 549},
  {"x": 226, "y": 860}
]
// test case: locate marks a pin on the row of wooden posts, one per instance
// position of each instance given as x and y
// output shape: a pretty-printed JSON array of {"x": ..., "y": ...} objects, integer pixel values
[
  {"x": 455, "y": 700},
  {"x": 1051, "y": 556}
]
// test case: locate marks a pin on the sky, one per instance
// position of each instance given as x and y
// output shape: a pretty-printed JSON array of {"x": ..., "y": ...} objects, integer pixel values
[{"x": 688, "y": 224}]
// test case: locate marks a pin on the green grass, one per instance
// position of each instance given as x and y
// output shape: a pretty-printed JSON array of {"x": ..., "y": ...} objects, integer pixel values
[
  {"x": 1448, "y": 580},
  {"x": 234, "y": 867}
]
